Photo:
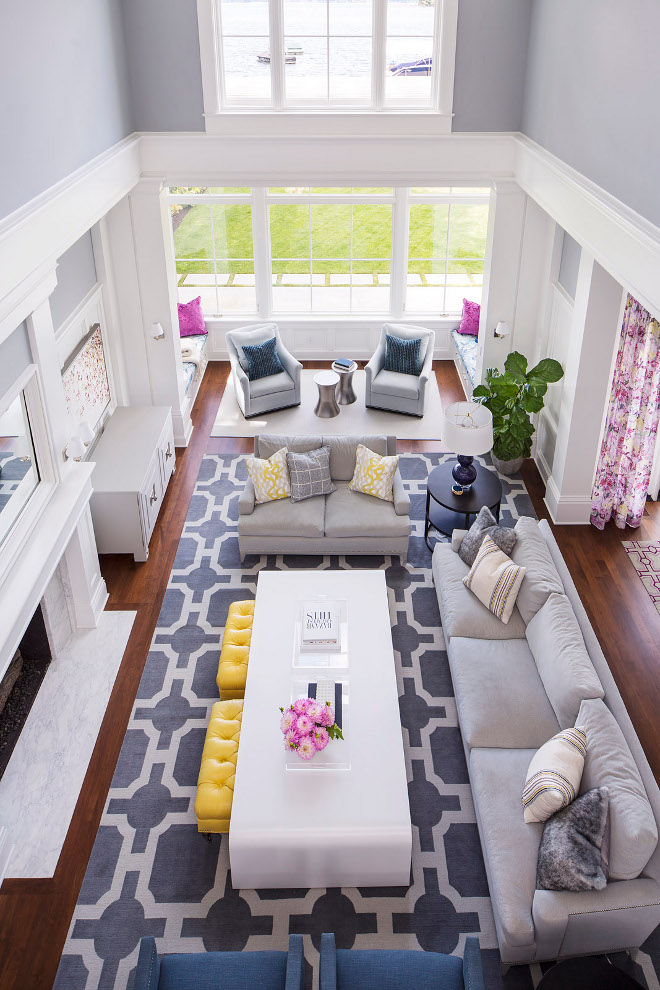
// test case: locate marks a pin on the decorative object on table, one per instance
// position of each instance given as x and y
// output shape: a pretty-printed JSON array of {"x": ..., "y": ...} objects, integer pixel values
[
  {"x": 262, "y": 359},
  {"x": 446, "y": 511},
  {"x": 402, "y": 355},
  {"x": 191, "y": 318},
  {"x": 374, "y": 474},
  {"x": 554, "y": 775},
  {"x": 485, "y": 525},
  {"x": 467, "y": 427},
  {"x": 570, "y": 854},
  {"x": 644, "y": 555},
  {"x": 627, "y": 448},
  {"x": 495, "y": 580},
  {"x": 513, "y": 396},
  {"x": 394, "y": 390},
  {"x": 610, "y": 763},
  {"x": 309, "y": 473},
  {"x": 85, "y": 380},
  {"x": 262, "y": 395},
  {"x": 587, "y": 973},
  {"x": 457, "y": 489},
  {"x": 326, "y": 406},
  {"x": 345, "y": 368},
  {"x": 320, "y": 626},
  {"x": 308, "y": 726},
  {"x": 469, "y": 324},
  {"x": 269, "y": 476}
]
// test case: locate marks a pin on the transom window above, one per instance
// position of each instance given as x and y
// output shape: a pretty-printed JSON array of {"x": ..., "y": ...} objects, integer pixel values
[
  {"x": 322, "y": 54},
  {"x": 287, "y": 251}
]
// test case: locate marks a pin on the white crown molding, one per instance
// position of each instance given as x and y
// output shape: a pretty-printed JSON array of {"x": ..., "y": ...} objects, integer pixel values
[
  {"x": 43, "y": 229},
  {"x": 625, "y": 243}
]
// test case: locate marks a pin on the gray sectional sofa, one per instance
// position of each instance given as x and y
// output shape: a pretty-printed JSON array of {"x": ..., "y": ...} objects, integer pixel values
[
  {"x": 509, "y": 702},
  {"x": 342, "y": 522}
]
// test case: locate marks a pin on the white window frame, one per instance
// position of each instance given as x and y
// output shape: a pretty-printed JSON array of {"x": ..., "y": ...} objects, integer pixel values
[
  {"x": 442, "y": 78},
  {"x": 260, "y": 200}
]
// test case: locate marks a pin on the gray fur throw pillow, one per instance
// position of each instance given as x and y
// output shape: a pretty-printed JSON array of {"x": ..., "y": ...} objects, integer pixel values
[
  {"x": 570, "y": 856},
  {"x": 485, "y": 525}
]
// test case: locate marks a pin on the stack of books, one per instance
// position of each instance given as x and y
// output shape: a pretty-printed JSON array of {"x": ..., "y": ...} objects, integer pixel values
[{"x": 320, "y": 630}]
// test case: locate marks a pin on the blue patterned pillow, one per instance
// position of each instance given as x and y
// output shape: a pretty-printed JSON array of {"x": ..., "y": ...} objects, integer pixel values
[
  {"x": 402, "y": 355},
  {"x": 262, "y": 359}
]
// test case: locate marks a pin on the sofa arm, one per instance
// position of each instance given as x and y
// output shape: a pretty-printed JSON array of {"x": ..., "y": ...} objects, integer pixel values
[
  {"x": 328, "y": 963},
  {"x": 400, "y": 495},
  {"x": 291, "y": 365},
  {"x": 147, "y": 972},
  {"x": 246, "y": 499},
  {"x": 621, "y": 916},
  {"x": 473, "y": 974},
  {"x": 374, "y": 365},
  {"x": 457, "y": 538},
  {"x": 295, "y": 964}
]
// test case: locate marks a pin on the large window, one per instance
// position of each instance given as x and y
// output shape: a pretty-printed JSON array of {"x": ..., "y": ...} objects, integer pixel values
[
  {"x": 334, "y": 250},
  {"x": 369, "y": 54}
]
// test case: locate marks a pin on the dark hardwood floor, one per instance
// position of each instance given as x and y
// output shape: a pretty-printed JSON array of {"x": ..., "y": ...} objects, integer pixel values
[{"x": 35, "y": 914}]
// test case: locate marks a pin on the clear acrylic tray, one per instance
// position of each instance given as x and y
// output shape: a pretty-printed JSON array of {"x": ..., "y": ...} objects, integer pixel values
[{"x": 336, "y": 755}]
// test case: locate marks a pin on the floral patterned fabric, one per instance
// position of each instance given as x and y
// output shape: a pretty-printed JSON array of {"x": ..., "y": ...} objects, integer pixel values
[{"x": 626, "y": 453}]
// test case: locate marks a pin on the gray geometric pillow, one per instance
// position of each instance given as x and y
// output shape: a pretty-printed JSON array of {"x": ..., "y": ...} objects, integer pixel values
[
  {"x": 570, "y": 856},
  {"x": 485, "y": 525},
  {"x": 310, "y": 473}
]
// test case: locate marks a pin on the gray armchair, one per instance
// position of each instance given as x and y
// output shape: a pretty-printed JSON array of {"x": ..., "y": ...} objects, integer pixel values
[
  {"x": 392, "y": 390},
  {"x": 263, "y": 394}
]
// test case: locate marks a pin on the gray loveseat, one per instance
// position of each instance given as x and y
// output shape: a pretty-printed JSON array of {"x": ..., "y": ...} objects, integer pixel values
[
  {"x": 505, "y": 715},
  {"x": 342, "y": 522}
]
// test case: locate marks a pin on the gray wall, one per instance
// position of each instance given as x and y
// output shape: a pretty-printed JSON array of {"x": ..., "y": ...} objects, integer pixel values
[
  {"x": 593, "y": 84},
  {"x": 569, "y": 264},
  {"x": 491, "y": 58},
  {"x": 164, "y": 65},
  {"x": 64, "y": 91},
  {"x": 76, "y": 274},
  {"x": 15, "y": 356}
]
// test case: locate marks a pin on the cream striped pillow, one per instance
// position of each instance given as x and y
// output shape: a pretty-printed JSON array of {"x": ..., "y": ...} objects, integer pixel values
[
  {"x": 495, "y": 579},
  {"x": 554, "y": 775},
  {"x": 270, "y": 476},
  {"x": 374, "y": 474}
]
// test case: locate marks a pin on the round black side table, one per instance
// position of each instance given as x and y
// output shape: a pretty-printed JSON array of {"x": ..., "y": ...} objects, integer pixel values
[
  {"x": 446, "y": 512},
  {"x": 587, "y": 973}
]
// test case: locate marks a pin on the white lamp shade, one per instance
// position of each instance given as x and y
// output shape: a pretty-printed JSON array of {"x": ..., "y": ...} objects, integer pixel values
[
  {"x": 502, "y": 329},
  {"x": 157, "y": 331},
  {"x": 86, "y": 433},
  {"x": 467, "y": 428},
  {"x": 75, "y": 448}
]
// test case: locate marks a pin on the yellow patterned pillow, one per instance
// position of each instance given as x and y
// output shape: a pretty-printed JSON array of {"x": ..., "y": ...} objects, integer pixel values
[
  {"x": 373, "y": 475},
  {"x": 495, "y": 579},
  {"x": 270, "y": 477}
]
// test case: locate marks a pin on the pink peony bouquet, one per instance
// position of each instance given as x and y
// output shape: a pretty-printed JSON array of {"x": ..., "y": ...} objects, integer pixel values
[{"x": 308, "y": 726}]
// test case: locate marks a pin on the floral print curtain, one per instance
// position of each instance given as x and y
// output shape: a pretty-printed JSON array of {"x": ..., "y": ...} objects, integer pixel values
[{"x": 626, "y": 453}]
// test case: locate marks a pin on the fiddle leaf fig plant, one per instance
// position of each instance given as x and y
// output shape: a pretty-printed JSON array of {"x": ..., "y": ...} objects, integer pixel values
[{"x": 513, "y": 396}]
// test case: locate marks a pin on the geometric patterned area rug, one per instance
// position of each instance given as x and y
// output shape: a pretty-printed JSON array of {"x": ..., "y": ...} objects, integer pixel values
[
  {"x": 151, "y": 873},
  {"x": 644, "y": 555}
]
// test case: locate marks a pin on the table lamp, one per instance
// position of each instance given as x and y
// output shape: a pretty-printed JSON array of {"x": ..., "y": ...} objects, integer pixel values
[{"x": 468, "y": 427}]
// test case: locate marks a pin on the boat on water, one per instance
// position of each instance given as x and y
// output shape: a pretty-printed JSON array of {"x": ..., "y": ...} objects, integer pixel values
[
  {"x": 414, "y": 67},
  {"x": 290, "y": 53}
]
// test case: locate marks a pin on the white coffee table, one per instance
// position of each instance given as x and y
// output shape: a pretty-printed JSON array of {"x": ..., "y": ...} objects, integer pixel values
[{"x": 314, "y": 827}]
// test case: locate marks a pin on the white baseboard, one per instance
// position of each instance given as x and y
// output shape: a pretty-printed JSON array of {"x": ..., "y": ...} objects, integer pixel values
[{"x": 567, "y": 510}]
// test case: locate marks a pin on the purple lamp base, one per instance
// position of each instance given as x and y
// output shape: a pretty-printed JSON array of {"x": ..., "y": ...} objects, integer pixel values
[{"x": 464, "y": 472}]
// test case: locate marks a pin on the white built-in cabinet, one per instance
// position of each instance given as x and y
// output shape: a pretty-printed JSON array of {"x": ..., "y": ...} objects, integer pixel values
[{"x": 134, "y": 461}]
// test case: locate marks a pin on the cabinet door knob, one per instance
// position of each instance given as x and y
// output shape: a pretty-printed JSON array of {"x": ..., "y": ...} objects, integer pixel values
[
  {"x": 168, "y": 452},
  {"x": 153, "y": 497}
]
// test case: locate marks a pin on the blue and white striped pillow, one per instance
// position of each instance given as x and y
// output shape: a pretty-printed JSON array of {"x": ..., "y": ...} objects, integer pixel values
[{"x": 262, "y": 359}]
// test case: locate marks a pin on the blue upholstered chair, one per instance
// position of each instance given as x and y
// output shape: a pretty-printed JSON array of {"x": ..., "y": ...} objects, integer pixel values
[
  {"x": 220, "y": 970},
  {"x": 392, "y": 390},
  {"x": 271, "y": 392},
  {"x": 392, "y": 969}
]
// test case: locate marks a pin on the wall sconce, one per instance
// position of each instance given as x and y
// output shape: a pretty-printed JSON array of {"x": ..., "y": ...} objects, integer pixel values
[
  {"x": 157, "y": 331},
  {"x": 86, "y": 433},
  {"x": 74, "y": 450},
  {"x": 502, "y": 330}
]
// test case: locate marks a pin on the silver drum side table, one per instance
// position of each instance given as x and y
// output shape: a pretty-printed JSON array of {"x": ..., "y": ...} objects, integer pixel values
[
  {"x": 345, "y": 391},
  {"x": 326, "y": 382}
]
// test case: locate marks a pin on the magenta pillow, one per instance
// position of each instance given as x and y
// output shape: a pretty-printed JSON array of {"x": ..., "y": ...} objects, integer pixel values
[
  {"x": 191, "y": 320},
  {"x": 470, "y": 318}
]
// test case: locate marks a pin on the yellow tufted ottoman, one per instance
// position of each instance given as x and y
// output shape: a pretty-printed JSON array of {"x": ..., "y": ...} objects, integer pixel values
[
  {"x": 215, "y": 784},
  {"x": 232, "y": 669}
]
